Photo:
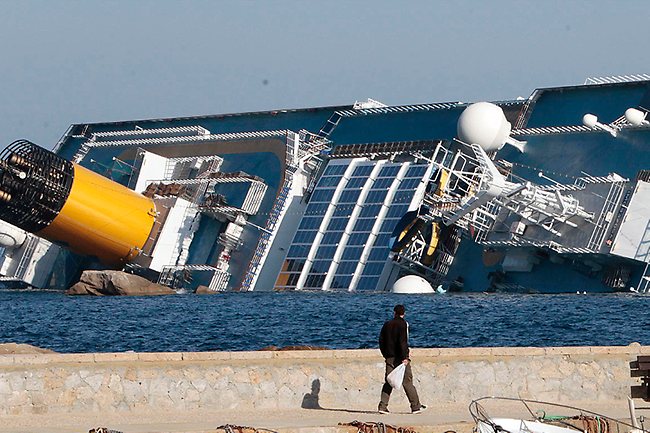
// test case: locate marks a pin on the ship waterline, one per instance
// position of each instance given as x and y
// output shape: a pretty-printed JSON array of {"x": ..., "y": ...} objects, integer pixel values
[{"x": 544, "y": 194}]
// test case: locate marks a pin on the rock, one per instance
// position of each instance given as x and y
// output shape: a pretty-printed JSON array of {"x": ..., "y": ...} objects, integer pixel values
[
  {"x": 14, "y": 348},
  {"x": 116, "y": 283},
  {"x": 205, "y": 290}
]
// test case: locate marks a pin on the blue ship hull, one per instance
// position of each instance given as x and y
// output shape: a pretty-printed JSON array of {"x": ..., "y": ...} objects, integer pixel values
[{"x": 300, "y": 235}]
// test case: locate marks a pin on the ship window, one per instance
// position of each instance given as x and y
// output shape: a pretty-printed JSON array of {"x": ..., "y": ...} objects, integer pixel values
[
  {"x": 389, "y": 171},
  {"x": 378, "y": 253},
  {"x": 352, "y": 253},
  {"x": 319, "y": 266},
  {"x": 326, "y": 252},
  {"x": 292, "y": 279},
  {"x": 397, "y": 210},
  {"x": 358, "y": 239},
  {"x": 392, "y": 221},
  {"x": 376, "y": 196},
  {"x": 388, "y": 226},
  {"x": 331, "y": 238},
  {"x": 335, "y": 169},
  {"x": 403, "y": 197},
  {"x": 341, "y": 282},
  {"x": 410, "y": 183},
  {"x": 370, "y": 210},
  {"x": 298, "y": 251},
  {"x": 373, "y": 268},
  {"x": 350, "y": 196},
  {"x": 323, "y": 195},
  {"x": 337, "y": 224},
  {"x": 295, "y": 265},
  {"x": 328, "y": 181},
  {"x": 356, "y": 182},
  {"x": 416, "y": 171},
  {"x": 310, "y": 223},
  {"x": 364, "y": 225},
  {"x": 343, "y": 210},
  {"x": 304, "y": 236},
  {"x": 382, "y": 183},
  {"x": 315, "y": 281},
  {"x": 382, "y": 239},
  {"x": 368, "y": 283},
  {"x": 362, "y": 170},
  {"x": 346, "y": 268},
  {"x": 316, "y": 209}
]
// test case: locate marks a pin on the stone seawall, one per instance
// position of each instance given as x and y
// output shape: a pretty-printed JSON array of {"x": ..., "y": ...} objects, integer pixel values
[{"x": 333, "y": 379}]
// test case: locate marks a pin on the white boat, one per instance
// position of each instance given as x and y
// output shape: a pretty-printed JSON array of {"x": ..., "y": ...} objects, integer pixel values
[{"x": 531, "y": 416}]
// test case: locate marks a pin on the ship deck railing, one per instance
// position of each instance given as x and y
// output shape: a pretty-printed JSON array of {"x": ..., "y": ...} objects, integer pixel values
[
  {"x": 265, "y": 237},
  {"x": 550, "y": 130},
  {"x": 26, "y": 257},
  {"x": 86, "y": 146},
  {"x": 615, "y": 79},
  {"x": 602, "y": 226},
  {"x": 399, "y": 109},
  {"x": 137, "y": 131}
]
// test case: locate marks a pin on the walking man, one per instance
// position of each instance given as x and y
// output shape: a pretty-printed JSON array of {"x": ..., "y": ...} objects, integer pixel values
[{"x": 393, "y": 343}]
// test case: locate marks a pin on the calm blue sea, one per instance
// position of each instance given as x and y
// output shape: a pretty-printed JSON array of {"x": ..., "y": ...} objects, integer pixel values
[{"x": 251, "y": 321}]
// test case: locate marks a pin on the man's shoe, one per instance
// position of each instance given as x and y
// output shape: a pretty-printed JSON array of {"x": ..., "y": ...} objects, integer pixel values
[
  {"x": 384, "y": 411},
  {"x": 420, "y": 410}
]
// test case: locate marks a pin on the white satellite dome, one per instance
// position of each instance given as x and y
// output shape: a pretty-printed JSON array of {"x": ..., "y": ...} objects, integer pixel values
[
  {"x": 635, "y": 117},
  {"x": 484, "y": 124},
  {"x": 589, "y": 120},
  {"x": 11, "y": 236},
  {"x": 412, "y": 284}
]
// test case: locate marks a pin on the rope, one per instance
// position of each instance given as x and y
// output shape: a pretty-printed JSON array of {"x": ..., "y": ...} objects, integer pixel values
[
  {"x": 231, "y": 428},
  {"x": 379, "y": 427},
  {"x": 102, "y": 430}
]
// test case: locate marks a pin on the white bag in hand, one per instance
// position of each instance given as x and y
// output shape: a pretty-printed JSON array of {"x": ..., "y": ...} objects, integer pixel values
[{"x": 396, "y": 377}]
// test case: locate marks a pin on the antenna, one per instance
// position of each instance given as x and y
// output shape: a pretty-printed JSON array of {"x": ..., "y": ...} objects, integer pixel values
[
  {"x": 591, "y": 121},
  {"x": 485, "y": 124},
  {"x": 636, "y": 117}
]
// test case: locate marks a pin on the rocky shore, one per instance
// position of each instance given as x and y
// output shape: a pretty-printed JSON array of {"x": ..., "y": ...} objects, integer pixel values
[{"x": 116, "y": 283}]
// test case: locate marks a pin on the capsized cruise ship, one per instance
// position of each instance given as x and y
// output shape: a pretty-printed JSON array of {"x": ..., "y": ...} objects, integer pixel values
[{"x": 545, "y": 194}]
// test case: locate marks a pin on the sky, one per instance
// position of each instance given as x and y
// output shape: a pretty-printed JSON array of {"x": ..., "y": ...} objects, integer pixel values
[{"x": 67, "y": 62}]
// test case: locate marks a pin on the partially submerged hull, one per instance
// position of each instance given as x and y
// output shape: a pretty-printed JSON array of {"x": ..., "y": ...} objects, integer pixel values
[{"x": 310, "y": 199}]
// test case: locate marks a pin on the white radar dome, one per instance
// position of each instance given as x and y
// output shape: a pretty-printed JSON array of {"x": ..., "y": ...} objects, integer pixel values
[
  {"x": 11, "y": 236},
  {"x": 589, "y": 120},
  {"x": 412, "y": 284},
  {"x": 484, "y": 124},
  {"x": 635, "y": 117}
]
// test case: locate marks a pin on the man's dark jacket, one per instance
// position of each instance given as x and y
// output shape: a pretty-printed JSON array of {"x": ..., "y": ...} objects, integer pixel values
[{"x": 393, "y": 339}]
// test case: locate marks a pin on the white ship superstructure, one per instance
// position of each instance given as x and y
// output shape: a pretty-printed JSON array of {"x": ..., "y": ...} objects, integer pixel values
[{"x": 542, "y": 194}]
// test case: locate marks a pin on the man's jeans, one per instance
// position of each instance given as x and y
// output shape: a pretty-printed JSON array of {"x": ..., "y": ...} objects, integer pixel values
[{"x": 410, "y": 390}]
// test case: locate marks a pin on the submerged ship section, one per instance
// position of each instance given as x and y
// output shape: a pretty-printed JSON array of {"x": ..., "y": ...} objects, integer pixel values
[
  {"x": 543, "y": 194},
  {"x": 343, "y": 240},
  {"x": 214, "y": 211}
]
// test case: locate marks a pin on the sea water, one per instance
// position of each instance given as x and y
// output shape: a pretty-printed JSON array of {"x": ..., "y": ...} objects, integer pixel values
[{"x": 252, "y": 321}]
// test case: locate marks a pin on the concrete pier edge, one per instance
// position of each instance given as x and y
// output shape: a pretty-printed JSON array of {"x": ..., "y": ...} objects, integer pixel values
[{"x": 296, "y": 391}]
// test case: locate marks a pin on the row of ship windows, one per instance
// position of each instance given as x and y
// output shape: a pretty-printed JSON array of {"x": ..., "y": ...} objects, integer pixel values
[
  {"x": 345, "y": 210},
  {"x": 333, "y": 238},
  {"x": 404, "y": 193},
  {"x": 368, "y": 211},
  {"x": 298, "y": 253},
  {"x": 365, "y": 170},
  {"x": 315, "y": 281},
  {"x": 362, "y": 224},
  {"x": 359, "y": 182},
  {"x": 345, "y": 267}
]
